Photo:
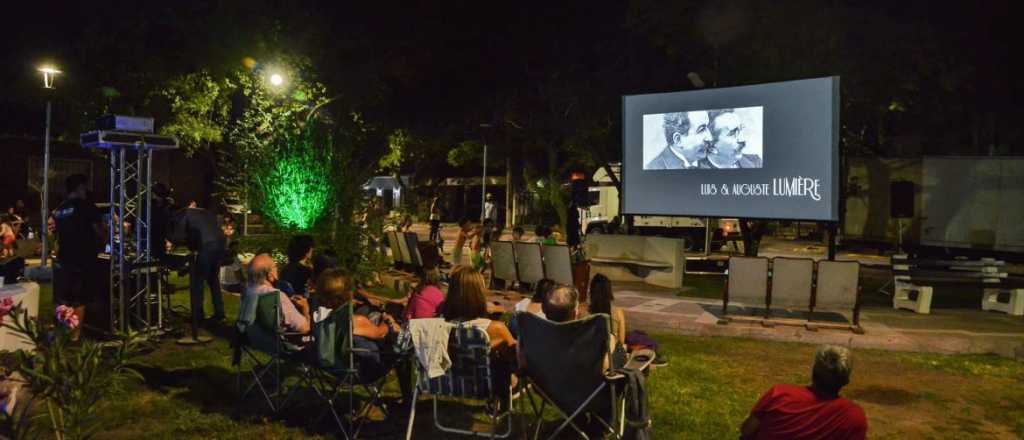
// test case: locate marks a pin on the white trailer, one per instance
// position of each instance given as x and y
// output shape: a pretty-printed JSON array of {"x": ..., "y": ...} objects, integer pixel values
[{"x": 603, "y": 216}]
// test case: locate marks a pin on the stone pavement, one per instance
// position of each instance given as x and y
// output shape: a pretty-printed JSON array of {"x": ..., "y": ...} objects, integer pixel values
[{"x": 657, "y": 311}]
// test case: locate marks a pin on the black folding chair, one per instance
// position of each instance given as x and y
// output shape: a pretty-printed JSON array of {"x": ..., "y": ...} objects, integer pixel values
[{"x": 565, "y": 365}]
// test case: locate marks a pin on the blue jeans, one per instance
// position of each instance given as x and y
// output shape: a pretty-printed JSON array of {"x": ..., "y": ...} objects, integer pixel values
[{"x": 205, "y": 269}]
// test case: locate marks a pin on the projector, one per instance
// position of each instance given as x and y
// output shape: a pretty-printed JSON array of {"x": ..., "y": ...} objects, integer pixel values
[
  {"x": 117, "y": 139},
  {"x": 136, "y": 124}
]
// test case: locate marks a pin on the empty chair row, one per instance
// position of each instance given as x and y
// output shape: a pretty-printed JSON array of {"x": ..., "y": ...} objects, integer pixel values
[
  {"x": 798, "y": 284},
  {"x": 528, "y": 263}
]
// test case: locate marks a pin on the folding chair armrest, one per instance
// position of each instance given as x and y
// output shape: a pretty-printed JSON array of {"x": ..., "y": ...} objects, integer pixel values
[{"x": 640, "y": 359}]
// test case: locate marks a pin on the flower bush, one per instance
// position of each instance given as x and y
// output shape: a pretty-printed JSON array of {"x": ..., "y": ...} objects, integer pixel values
[{"x": 66, "y": 379}]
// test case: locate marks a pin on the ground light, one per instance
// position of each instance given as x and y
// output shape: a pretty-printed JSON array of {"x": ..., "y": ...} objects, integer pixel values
[{"x": 297, "y": 187}]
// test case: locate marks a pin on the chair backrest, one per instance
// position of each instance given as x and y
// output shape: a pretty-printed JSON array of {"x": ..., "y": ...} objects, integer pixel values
[
  {"x": 264, "y": 332},
  {"x": 503, "y": 258},
  {"x": 396, "y": 252},
  {"x": 412, "y": 243},
  {"x": 837, "y": 285},
  {"x": 558, "y": 264},
  {"x": 565, "y": 360},
  {"x": 332, "y": 339},
  {"x": 792, "y": 282},
  {"x": 469, "y": 375},
  {"x": 529, "y": 262},
  {"x": 403, "y": 248},
  {"x": 748, "y": 280}
]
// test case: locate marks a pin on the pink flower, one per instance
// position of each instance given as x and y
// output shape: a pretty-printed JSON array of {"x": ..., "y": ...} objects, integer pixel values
[
  {"x": 67, "y": 317},
  {"x": 5, "y": 307}
]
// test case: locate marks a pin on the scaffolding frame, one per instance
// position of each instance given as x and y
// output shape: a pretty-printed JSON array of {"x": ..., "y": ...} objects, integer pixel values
[{"x": 136, "y": 303}]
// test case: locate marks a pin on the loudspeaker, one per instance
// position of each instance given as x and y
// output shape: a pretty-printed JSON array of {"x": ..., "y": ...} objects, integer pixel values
[
  {"x": 580, "y": 193},
  {"x": 901, "y": 199}
]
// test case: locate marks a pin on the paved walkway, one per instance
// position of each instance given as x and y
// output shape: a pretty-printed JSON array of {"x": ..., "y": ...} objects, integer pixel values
[{"x": 657, "y": 310}]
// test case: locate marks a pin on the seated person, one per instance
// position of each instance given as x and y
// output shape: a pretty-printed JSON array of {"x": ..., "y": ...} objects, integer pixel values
[
  {"x": 467, "y": 303},
  {"x": 262, "y": 275},
  {"x": 534, "y": 303},
  {"x": 812, "y": 412},
  {"x": 562, "y": 305},
  {"x": 601, "y": 299},
  {"x": 231, "y": 277},
  {"x": 517, "y": 233},
  {"x": 299, "y": 269},
  {"x": 426, "y": 299},
  {"x": 334, "y": 288}
]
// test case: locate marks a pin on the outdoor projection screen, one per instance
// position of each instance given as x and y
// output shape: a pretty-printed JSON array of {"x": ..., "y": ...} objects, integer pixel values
[{"x": 761, "y": 151}]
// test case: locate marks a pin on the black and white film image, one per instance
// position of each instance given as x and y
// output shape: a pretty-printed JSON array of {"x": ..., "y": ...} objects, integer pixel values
[{"x": 704, "y": 139}]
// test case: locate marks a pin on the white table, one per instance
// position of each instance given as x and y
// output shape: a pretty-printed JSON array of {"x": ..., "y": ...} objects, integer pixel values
[{"x": 28, "y": 295}]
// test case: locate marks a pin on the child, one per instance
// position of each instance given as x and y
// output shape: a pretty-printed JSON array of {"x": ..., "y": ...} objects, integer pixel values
[{"x": 517, "y": 233}]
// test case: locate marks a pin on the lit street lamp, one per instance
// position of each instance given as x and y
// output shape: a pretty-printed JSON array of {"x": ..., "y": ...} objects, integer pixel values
[
  {"x": 276, "y": 80},
  {"x": 49, "y": 74}
]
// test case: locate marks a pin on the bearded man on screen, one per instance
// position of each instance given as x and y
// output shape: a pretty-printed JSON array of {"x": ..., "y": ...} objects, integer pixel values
[
  {"x": 688, "y": 138},
  {"x": 729, "y": 141}
]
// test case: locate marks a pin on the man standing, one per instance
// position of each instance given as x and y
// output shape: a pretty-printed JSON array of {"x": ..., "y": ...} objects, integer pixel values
[
  {"x": 687, "y": 137},
  {"x": 491, "y": 210},
  {"x": 77, "y": 224},
  {"x": 435, "y": 219},
  {"x": 729, "y": 142},
  {"x": 199, "y": 229},
  {"x": 813, "y": 412}
]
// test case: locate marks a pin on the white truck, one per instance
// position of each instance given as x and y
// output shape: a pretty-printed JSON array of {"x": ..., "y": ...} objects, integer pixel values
[{"x": 603, "y": 217}]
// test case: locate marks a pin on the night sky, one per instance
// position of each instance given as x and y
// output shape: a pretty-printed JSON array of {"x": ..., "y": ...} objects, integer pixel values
[{"x": 917, "y": 78}]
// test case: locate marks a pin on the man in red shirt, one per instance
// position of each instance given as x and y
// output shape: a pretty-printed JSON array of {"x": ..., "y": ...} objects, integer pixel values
[{"x": 814, "y": 412}]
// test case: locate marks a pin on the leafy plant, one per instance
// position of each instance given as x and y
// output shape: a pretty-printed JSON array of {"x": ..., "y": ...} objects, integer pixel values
[{"x": 69, "y": 379}]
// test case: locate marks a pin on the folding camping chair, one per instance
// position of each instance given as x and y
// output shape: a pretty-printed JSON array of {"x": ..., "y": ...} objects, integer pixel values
[
  {"x": 529, "y": 262},
  {"x": 747, "y": 283},
  {"x": 565, "y": 365},
  {"x": 503, "y": 263},
  {"x": 837, "y": 289},
  {"x": 558, "y": 263},
  {"x": 259, "y": 330},
  {"x": 469, "y": 378},
  {"x": 334, "y": 373}
]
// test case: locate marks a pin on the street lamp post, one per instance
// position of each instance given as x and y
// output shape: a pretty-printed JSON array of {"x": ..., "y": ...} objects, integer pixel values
[
  {"x": 483, "y": 182},
  {"x": 49, "y": 74}
]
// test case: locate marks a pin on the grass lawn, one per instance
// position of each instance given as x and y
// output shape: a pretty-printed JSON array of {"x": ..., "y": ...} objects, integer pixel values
[{"x": 189, "y": 392}]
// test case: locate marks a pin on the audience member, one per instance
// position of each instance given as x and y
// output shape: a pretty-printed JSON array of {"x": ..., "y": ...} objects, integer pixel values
[
  {"x": 535, "y": 303},
  {"x": 467, "y": 303},
  {"x": 435, "y": 219},
  {"x": 517, "y": 233},
  {"x": 78, "y": 230},
  {"x": 8, "y": 239},
  {"x": 468, "y": 231},
  {"x": 374, "y": 342},
  {"x": 299, "y": 269},
  {"x": 812, "y": 412},
  {"x": 200, "y": 230},
  {"x": 426, "y": 299},
  {"x": 601, "y": 301},
  {"x": 232, "y": 278},
  {"x": 562, "y": 305},
  {"x": 262, "y": 274}
]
